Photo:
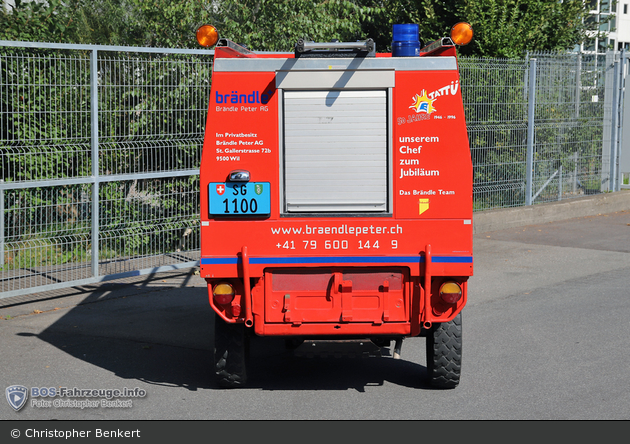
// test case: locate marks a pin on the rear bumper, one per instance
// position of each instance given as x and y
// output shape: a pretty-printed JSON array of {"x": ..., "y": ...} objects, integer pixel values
[{"x": 340, "y": 302}]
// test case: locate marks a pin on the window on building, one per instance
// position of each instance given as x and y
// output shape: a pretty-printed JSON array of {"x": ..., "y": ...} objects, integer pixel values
[
  {"x": 625, "y": 9},
  {"x": 604, "y": 6},
  {"x": 589, "y": 45}
]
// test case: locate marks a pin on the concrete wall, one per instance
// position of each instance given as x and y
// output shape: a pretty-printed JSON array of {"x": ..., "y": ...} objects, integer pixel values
[{"x": 493, "y": 220}]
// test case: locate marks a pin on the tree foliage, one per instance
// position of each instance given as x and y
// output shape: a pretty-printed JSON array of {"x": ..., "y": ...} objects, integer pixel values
[
  {"x": 277, "y": 25},
  {"x": 50, "y": 21},
  {"x": 508, "y": 28},
  {"x": 503, "y": 28},
  {"x": 106, "y": 22}
]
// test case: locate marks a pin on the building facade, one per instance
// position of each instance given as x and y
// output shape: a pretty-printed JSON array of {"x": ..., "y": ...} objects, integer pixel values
[{"x": 611, "y": 22}]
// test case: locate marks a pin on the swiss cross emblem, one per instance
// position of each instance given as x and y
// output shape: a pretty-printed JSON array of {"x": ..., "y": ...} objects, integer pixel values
[{"x": 220, "y": 189}]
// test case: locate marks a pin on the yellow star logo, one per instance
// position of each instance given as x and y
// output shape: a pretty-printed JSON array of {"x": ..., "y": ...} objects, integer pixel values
[{"x": 422, "y": 104}]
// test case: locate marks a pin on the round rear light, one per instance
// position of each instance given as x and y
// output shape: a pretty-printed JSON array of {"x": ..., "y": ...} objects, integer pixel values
[
  {"x": 223, "y": 293},
  {"x": 451, "y": 292},
  {"x": 207, "y": 35},
  {"x": 462, "y": 33}
]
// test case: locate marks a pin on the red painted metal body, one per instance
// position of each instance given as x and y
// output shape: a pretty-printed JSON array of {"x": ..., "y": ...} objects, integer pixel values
[{"x": 340, "y": 274}]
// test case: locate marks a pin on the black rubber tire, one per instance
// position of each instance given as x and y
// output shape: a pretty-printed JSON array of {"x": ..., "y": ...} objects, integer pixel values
[
  {"x": 231, "y": 352},
  {"x": 444, "y": 353}
]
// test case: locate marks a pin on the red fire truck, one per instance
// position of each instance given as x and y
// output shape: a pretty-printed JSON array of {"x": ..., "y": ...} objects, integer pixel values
[{"x": 336, "y": 198}]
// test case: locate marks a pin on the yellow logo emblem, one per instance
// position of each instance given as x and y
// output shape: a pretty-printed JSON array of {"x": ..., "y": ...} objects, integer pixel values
[
  {"x": 424, "y": 205},
  {"x": 422, "y": 103}
]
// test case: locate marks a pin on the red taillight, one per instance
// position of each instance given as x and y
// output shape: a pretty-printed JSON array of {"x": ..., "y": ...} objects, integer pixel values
[
  {"x": 451, "y": 292},
  {"x": 223, "y": 293}
]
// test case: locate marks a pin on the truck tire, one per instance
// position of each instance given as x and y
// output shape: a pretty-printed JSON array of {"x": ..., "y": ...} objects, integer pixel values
[
  {"x": 231, "y": 349},
  {"x": 444, "y": 353}
]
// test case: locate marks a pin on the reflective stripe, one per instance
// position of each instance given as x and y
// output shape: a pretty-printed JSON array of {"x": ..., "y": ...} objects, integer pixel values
[{"x": 338, "y": 259}]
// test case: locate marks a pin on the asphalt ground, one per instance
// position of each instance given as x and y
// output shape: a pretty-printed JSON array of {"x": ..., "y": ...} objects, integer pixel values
[
  {"x": 545, "y": 328},
  {"x": 606, "y": 232}
]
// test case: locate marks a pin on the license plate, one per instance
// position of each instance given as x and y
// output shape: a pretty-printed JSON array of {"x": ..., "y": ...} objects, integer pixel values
[{"x": 238, "y": 198}]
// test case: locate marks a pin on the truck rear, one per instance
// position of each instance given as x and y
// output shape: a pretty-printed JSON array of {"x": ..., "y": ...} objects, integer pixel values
[{"x": 336, "y": 200}]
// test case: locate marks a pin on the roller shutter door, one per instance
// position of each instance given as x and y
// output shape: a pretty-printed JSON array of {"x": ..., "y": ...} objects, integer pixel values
[{"x": 335, "y": 151}]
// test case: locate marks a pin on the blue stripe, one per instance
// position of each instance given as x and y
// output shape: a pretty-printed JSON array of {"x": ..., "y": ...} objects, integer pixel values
[
  {"x": 333, "y": 260},
  {"x": 219, "y": 261},
  {"x": 452, "y": 259},
  {"x": 337, "y": 260}
]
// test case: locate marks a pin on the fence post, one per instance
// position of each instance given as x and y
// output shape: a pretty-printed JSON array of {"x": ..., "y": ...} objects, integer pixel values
[
  {"x": 1, "y": 225},
  {"x": 620, "y": 102},
  {"x": 575, "y": 172},
  {"x": 560, "y": 183},
  {"x": 624, "y": 138},
  {"x": 578, "y": 85},
  {"x": 613, "y": 129},
  {"x": 525, "y": 78},
  {"x": 531, "y": 105},
  {"x": 95, "y": 164}
]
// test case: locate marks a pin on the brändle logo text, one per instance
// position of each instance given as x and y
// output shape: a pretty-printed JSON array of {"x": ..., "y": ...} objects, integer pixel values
[{"x": 236, "y": 98}]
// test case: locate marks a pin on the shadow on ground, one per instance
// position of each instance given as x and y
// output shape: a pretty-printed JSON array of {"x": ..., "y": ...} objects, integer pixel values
[{"x": 163, "y": 335}]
